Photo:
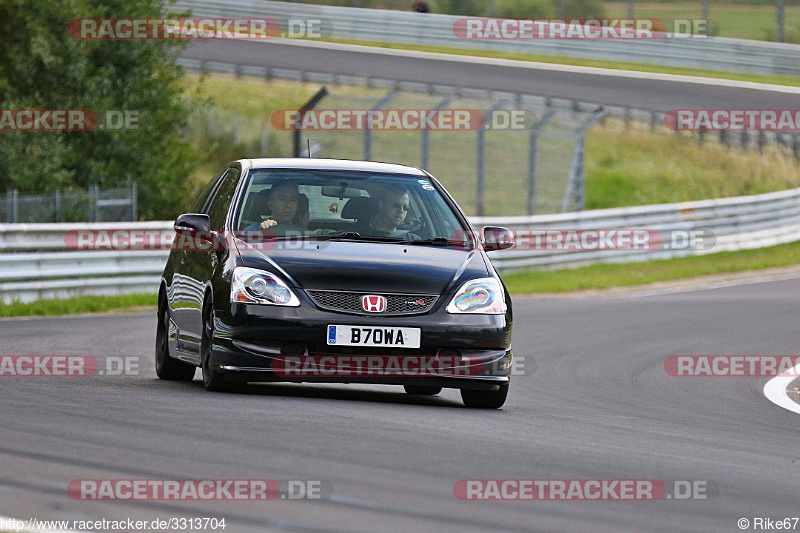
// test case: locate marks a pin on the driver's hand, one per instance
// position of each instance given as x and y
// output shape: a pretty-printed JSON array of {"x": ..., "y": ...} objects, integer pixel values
[{"x": 268, "y": 224}]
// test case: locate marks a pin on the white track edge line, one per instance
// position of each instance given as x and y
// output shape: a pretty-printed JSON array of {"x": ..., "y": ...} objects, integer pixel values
[{"x": 775, "y": 390}]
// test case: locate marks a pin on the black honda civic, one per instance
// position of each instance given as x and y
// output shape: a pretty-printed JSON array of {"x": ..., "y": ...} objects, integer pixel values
[{"x": 334, "y": 271}]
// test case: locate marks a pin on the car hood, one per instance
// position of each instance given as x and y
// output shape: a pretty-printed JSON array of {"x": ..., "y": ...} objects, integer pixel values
[{"x": 366, "y": 266}]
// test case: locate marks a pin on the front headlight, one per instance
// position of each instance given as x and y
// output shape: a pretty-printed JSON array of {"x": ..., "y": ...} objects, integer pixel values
[
  {"x": 481, "y": 296},
  {"x": 249, "y": 285}
]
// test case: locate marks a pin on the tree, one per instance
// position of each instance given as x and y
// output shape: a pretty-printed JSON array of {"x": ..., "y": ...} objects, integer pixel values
[{"x": 43, "y": 67}]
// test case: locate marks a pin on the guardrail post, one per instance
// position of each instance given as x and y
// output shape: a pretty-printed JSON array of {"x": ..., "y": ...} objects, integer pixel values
[
  {"x": 701, "y": 135},
  {"x": 744, "y": 139},
  {"x": 264, "y": 140},
  {"x": 93, "y": 190},
  {"x": 12, "y": 201},
  {"x": 761, "y": 140},
  {"x": 781, "y": 18},
  {"x": 575, "y": 190},
  {"x": 653, "y": 120},
  {"x": 534, "y": 134},
  {"x": 134, "y": 202},
  {"x": 796, "y": 147},
  {"x": 380, "y": 104},
  {"x": 57, "y": 206}
]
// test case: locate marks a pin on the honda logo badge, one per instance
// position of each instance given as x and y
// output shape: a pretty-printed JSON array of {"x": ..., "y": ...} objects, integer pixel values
[{"x": 373, "y": 304}]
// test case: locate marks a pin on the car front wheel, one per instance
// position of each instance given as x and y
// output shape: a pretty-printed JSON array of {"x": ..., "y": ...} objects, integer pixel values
[
  {"x": 485, "y": 399},
  {"x": 212, "y": 381},
  {"x": 168, "y": 368}
]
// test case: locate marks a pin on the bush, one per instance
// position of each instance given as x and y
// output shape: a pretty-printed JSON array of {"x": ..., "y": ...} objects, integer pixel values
[
  {"x": 524, "y": 9},
  {"x": 467, "y": 8},
  {"x": 584, "y": 9},
  {"x": 43, "y": 67}
]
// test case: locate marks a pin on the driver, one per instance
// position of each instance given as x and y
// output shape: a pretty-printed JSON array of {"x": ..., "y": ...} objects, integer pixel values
[
  {"x": 393, "y": 207},
  {"x": 282, "y": 203}
]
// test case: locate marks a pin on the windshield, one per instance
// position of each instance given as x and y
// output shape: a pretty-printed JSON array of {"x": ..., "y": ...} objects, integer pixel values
[{"x": 349, "y": 205}]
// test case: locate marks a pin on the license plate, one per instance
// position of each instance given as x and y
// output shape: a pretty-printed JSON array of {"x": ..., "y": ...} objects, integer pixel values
[{"x": 374, "y": 336}]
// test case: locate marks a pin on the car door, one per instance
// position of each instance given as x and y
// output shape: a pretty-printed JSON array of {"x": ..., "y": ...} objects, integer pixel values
[
  {"x": 200, "y": 264},
  {"x": 178, "y": 298}
]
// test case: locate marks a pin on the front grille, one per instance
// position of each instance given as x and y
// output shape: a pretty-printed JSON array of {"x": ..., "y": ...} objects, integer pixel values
[{"x": 350, "y": 302}]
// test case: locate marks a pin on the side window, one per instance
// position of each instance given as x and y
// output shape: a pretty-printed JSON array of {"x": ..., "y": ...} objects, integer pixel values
[
  {"x": 198, "y": 205},
  {"x": 222, "y": 200}
]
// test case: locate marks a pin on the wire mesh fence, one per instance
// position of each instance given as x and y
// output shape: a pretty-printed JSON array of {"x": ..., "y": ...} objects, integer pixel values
[
  {"x": 93, "y": 205},
  {"x": 518, "y": 160}
]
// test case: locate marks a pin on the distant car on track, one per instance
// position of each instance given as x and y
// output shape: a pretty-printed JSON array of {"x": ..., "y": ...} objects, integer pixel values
[{"x": 319, "y": 270}]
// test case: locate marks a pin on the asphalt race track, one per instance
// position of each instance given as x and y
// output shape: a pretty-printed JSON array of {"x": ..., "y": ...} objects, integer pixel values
[
  {"x": 598, "y": 406},
  {"x": 559, "y": 82}
]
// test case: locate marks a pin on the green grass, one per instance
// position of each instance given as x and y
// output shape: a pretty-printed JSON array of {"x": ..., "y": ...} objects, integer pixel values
[
  {"x": 80, "y": 304},
  {"x": 633, "y": 166},
  {"x": 758, "y": 22},
  {"x": 629, "y": 274}
]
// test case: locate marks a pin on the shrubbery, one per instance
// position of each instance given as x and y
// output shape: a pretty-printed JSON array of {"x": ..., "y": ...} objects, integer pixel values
[{"x": 42, "y": 67}]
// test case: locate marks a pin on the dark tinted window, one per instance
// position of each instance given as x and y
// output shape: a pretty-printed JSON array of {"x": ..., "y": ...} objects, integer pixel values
[
  {"x": 326, "y": 202},
  {"x": 222, "y": 200},
  {"x": 200, "y": 203}
]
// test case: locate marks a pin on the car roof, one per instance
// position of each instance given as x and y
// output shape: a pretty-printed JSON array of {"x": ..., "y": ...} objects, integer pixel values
[{"x": 334, "y": 164}]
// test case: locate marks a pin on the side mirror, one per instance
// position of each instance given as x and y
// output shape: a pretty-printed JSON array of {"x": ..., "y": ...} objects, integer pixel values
[
  {"x": 196, "y": 226},
  {"x": 497, "y": 239},
  {"x": 191, "y": 222}
]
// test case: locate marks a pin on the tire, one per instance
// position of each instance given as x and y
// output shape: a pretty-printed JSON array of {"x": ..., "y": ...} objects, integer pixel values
[
  {"x": 485, "y": 399},
  {"x": 422, "y": 390},
  {"x": 167, "y": 367},
  {"x": 212, "y": 381}
]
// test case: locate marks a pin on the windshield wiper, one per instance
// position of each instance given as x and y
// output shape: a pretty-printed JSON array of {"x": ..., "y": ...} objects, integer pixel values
[
  {"x": 355, "y": 236},
  {"x": 436, "y": 241}
]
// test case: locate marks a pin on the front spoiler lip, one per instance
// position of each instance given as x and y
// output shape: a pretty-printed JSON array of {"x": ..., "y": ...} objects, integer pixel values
[
  {"x": 246, "y": 366},
  {"x": 266, "y": 375}
]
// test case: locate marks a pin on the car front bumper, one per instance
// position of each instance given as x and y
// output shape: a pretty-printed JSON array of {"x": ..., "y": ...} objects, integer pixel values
[{"x": 253, "y": 342}]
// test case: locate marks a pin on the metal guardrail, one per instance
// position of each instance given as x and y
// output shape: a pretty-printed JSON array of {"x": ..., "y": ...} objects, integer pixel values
[
  {"x": 715, "y": 53},
  {"x": 35, "y": 263}
]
